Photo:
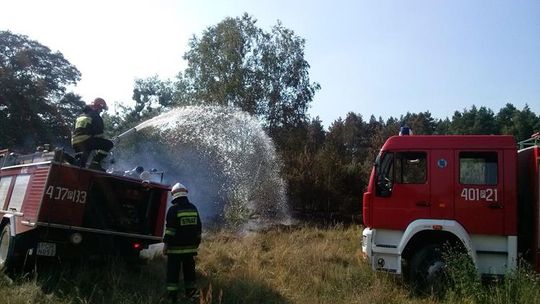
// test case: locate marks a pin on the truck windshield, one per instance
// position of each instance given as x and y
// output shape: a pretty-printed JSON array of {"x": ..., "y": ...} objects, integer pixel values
[{"x": 385, "y": 173}]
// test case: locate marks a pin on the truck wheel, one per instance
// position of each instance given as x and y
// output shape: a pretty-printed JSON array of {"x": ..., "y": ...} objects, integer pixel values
[
  {"x": 7, "y": 244},
  {"x": 428, "y": 270}
]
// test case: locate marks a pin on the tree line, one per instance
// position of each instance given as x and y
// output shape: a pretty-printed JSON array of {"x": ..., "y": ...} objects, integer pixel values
[
  {"x": 329, "y": 170},
  {"x": 236, "y": 63}
]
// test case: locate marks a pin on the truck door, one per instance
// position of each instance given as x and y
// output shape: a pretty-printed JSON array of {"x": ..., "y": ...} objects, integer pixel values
[
  {"x": 442, "y": 183},
  {"x": 402, "y": 189},
  {"x": 479, "y": 204}
]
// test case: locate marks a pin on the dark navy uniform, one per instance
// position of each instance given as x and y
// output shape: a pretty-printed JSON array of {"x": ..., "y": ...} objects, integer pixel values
[
  {"x": 88, "y": 136},
  {"x": 182, "y": 239}
]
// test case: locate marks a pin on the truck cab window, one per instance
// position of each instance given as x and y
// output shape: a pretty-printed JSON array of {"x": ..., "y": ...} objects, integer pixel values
[
  {"x": 411, "y": 168},
  {"x": 478, "y": 168},
  {"x": 385, "y": 174}
]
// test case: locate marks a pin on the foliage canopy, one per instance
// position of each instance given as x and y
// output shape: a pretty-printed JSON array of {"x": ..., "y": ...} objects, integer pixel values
[
  {"x": 33, "y": 80},
  {"x": 235, "y": 63}
]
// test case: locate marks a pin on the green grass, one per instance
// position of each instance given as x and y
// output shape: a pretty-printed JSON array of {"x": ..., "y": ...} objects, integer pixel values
[
  {"x": 521, "y": 286},
  {"x": 299, "y": 265}
]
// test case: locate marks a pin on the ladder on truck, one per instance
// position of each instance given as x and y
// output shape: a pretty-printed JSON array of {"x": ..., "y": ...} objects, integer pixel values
[{"x": 531, "y": 142}]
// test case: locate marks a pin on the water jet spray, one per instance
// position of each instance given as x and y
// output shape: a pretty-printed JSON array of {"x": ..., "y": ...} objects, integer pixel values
[{"x": 221, "y": 154}]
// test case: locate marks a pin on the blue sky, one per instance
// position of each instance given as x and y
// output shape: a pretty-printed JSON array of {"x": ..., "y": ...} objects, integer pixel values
[{"x": 370, "y": 57}]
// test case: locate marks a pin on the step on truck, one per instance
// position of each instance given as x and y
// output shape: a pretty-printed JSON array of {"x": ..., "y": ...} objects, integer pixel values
[
  {"x": 49, "y": 208},
  {"x": 479, "y": 194}
]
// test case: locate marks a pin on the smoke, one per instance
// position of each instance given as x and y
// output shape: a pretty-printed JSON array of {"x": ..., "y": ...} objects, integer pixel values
[{"x": 222, "y": 155}]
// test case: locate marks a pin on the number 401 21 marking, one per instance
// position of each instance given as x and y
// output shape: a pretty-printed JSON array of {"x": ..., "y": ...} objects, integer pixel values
[{"x": 475, "y": 194}]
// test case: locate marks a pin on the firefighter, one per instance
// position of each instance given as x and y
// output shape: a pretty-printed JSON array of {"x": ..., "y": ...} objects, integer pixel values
[
  {"x": 88, "y": 135},
  {"x": 182, "y": 238}
]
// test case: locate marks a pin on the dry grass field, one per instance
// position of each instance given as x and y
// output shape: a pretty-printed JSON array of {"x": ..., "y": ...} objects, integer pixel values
[{"x": 285, "y": 265}]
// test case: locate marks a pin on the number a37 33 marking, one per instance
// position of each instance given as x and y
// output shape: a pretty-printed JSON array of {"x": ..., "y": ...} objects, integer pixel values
[
  {"x": 475, "y": 194},
  {"x": 65, "y": 194}
]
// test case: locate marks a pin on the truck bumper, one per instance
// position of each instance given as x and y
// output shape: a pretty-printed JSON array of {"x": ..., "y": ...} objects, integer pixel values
[
  {"x": 366, "y": 243},
  {"x": 49, "y": 241},
  {"x": 383, "y": 257}
]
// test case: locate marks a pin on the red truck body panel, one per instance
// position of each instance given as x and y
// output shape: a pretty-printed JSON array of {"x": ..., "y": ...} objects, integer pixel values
[
  {"x": 436, "y": 191},
  {"x": 63, "y": 199},
  {"x": 529, "y": 199},
  {"x": 36, "y": 188},
  {"x": 498, "y": 196}
]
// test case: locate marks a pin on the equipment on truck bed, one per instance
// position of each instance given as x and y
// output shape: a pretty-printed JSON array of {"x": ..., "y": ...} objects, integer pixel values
[{"x": 49, "y": 207}]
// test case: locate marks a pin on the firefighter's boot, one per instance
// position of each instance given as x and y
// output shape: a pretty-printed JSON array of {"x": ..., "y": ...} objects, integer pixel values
[
  {"x": 192, "y": 294},
  {"x": 81, "y": 158},
  {"x": 172, "y": 296},
  {"x": 96, "y": 162}
]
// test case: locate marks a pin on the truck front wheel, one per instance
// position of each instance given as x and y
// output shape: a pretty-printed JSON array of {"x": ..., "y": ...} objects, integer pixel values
[
  {"x": 7, "y": 245},
  {"x": 428, "y": 270}
]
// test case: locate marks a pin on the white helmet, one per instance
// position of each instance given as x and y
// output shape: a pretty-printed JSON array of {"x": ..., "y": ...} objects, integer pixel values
[{"x": 178, "y": 190}]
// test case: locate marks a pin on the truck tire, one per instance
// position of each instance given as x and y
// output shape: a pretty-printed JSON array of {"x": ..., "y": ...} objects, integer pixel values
[
  {"x": 428, "y": 270},
  {"x": 7, "y": 245}
]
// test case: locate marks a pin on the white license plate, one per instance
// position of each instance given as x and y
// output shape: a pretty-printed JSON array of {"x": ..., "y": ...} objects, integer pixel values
[{"x": 46, "y": 249}]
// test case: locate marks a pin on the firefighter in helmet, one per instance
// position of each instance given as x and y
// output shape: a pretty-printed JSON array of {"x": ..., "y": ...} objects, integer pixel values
[
  {"x": 88, "y": 134},
  {"x": 182, "y": 238}
]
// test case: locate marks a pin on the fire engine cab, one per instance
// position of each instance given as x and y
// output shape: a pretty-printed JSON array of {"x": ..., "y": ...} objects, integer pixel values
[
  {"x": 51, "y": 208},
  {"x": 478, "y": 193}
]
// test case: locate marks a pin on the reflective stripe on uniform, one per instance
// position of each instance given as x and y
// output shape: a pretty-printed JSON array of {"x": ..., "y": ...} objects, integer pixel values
[
  {"x": 172, "y": 287},
  {"x": 82, "y": 137},
  {"x": 82, "y": 122},
  {"x": 180, "y": 250},
  {"x": 79, "y": 138},
  {"x": 187, "y": 213},
  {"x": 170, "y": 231}
]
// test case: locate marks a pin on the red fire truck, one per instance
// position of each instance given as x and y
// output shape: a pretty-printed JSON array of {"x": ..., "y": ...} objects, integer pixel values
[
  {"x": 51, "y": 208},
  {"x": 477, "y": 193}
]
